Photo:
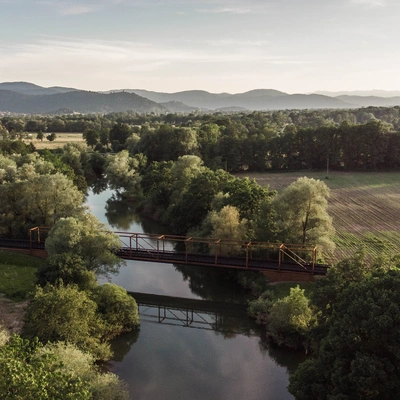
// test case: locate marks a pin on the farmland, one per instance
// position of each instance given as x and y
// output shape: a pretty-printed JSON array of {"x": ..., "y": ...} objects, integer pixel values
[
  {"x": 60, "y": 141},
  {"x": 365, "y": 208}
]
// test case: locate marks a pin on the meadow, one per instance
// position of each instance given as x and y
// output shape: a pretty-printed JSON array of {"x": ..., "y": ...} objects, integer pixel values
[
  {"x": 17, "y": 274},
  {"x": 61, "y": 139},
  {"x": 365, "y": 207}
]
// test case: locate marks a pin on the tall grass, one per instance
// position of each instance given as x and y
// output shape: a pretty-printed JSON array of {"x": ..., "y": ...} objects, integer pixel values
[{"x": 18, "y": 274}]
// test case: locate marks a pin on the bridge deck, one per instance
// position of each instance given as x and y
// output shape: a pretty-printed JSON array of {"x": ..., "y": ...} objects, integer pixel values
[{"x": 285, "y": 263}]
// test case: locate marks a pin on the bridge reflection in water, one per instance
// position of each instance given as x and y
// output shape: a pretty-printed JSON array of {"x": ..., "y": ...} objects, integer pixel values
[{"x": 192, "y": 313}]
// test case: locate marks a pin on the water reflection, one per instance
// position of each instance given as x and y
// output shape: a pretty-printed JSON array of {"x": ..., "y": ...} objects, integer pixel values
[{"x": 164, "y": 361}]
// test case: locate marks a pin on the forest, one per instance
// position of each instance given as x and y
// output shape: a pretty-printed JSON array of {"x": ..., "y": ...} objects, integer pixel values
[{"x": 177, "y": 169}]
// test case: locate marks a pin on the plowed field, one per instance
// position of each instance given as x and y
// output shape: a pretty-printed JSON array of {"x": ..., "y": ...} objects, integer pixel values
[{"x": 365, "y": 208}]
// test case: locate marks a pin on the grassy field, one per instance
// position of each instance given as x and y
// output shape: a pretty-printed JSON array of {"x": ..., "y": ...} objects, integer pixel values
[
  {"x": 365, "y": 207},
  {"x": 60, "y": 141},
  {"x": 17, "y": 274}
]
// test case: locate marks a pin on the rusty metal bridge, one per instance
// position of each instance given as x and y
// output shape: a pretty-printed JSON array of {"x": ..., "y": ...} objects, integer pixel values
[
  {"x": 279, "y": 261},
  {"x": 223, "y": 253}
]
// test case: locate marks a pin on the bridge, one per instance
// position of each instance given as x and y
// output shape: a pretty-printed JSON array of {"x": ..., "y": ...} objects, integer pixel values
[
  {"x": 279, "y": 261},
  {"x": 192, "y": 313}
]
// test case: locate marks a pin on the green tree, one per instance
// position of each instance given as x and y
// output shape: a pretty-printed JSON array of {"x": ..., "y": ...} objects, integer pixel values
[
  {"x": 290, "y": 319},
  {"x": 51, "y": 137},
  {"x": 77, "y": 364},
  {"x": 227, "y": 225},
  {"x": 65, "y": 313},
  {"x": 91, "y": 136},
  {"x": 40, "y": 136},
  {"x": 87, "y": 238},
  {"x": 40, "y": 200},
  {"x": 25, "y": 373},
  {"x": 118, "y": 309},
  {"x": 359, "y": 356},
  {"x": 122, "y": 172},
  {"x": 302, "y": 214},
  {"x": 66, "y": 268}
]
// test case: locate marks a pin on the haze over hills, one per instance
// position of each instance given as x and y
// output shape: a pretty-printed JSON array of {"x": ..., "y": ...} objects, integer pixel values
[
  {"x": 24, "y": 97},
  {"x": 374, "y": 93}
]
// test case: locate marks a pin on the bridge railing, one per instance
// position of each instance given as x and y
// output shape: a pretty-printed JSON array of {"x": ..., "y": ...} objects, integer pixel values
[{"x": 157, "y": 245}]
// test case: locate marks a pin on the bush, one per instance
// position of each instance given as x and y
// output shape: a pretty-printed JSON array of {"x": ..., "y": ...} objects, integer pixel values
[
  {"x": 117, "y": 308},
  {"x": 67, "y": 314},
  {"x": 66, "y": 268},
  {"x": 102, "y": 386},
  {"x": 290, "y": 319},
  {"x": 27, "y": 374}
]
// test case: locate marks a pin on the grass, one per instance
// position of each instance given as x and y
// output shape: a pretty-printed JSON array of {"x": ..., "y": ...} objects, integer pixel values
[
  {"x": 17, "y": 274},
  {"x": 365, "y": 207},
  {"x": 61, "y": 139}
]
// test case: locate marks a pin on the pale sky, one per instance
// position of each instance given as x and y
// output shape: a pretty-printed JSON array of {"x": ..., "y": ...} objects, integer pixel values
[{"x": 297, "y": 46}]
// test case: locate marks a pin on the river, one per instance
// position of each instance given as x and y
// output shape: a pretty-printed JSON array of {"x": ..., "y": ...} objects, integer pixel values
[{"x": 181, "y": 352}]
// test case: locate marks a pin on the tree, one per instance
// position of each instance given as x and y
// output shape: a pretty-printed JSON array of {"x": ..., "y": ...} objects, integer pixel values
[
  {"x": 65, "y": 313},
  {"x": 359, "y": 357},
  {"x": 87, "y": 238},
  {"x": 290, "y": 319},
  {"x": 91, "y": 136},
  {"x": 66, "y": 268},
  {"x": 51, "y": 137},
  {"x": 26, "y": 373},
  {"x": 122, "y": 171},
  {"x": 302, "y": 213},
  {"x": 39, "y": 200},
  {"x": 226, "y": 225},
  {"x": 118, "y": 309},
  {"x": 40, "y": 136},
  {"x": 78, "y": 364}
]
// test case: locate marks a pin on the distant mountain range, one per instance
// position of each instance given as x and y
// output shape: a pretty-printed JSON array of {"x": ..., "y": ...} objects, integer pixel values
[{"x": 24, "y": 97}]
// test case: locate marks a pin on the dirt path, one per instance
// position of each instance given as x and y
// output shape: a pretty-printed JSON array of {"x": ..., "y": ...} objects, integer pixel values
[{"x": 12, "y": 314}]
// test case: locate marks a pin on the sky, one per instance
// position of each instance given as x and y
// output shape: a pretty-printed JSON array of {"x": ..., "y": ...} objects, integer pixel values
[{"x": 296, "y": 46}]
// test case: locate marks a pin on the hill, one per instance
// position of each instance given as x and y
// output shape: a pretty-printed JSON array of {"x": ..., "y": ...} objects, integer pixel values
[
  {"x": 14, "y": 97},
  {"x": 76, "y": 101},
  {"x": 32, "y": 89},
  {"x": 259, "y": 99}
]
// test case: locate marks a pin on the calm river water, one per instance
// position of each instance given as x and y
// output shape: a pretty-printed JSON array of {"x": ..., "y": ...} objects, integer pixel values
[{"x": 178, "y": 360}]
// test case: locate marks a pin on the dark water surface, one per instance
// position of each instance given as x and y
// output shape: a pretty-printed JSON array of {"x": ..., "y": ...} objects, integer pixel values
[{"x": 186, "y": 349}]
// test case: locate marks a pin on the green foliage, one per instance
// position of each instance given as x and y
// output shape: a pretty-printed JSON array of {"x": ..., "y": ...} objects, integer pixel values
[
  {"x": 226, "y": 225},
  {"x": 26, "y": 373},
  {"x": 51, "y": 137},
  {"x": 302, "y": 214},
  {"x": 261, "y": 307},
  {"x": 122, "y": 172},
  {"x": 87, "y": 238},
  {"x": 66, "y": 314},
  {"x": 117, "y": 308},
  {"x": 358, "y": 357},
  {"x": 67, "y": 268},
  {"x": 91, "y": 136},
  {"x": 38, "y": 201},
  {"x": 290, "y": 320},
  {"x": 74, "y": 362}
]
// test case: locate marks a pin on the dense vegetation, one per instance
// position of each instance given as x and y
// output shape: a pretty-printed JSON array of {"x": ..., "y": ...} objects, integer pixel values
[{"x": 175, "y": 169}]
